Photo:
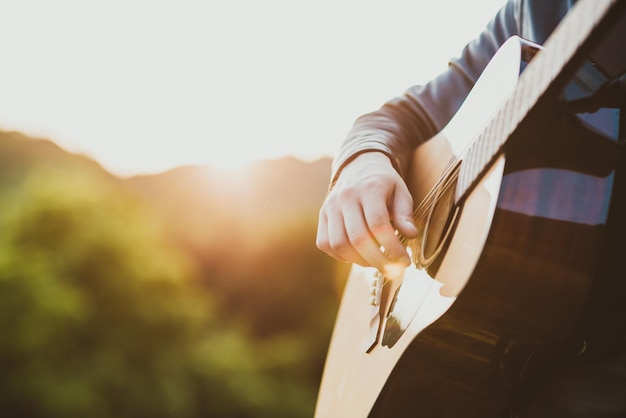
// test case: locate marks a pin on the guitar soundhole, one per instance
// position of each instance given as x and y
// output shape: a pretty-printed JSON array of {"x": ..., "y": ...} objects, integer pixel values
[{"x": 440, "y": 221}]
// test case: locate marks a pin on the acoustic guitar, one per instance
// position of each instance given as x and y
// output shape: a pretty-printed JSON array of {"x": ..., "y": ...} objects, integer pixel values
[{"x": 512, "y": 202}]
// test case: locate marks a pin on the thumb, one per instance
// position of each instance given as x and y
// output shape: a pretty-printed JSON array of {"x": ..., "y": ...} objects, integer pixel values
[{"x": 402, "y": 213}]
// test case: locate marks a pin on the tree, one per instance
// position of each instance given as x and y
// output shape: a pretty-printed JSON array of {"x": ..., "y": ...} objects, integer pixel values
[{"x": 101, "y": 317}]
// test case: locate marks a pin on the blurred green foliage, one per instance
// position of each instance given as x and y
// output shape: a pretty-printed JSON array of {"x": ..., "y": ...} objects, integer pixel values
[{"x": 106, "y": 310}]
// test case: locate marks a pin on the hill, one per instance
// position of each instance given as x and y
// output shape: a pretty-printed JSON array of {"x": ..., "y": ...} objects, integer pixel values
[
  {"x": 250, "y": 233},
  {"x": 203, "y": 279},
  {"x": 262, "y": 198},
  {"x": 270, "y": 191},
  {"x": 21, "y": 154}
]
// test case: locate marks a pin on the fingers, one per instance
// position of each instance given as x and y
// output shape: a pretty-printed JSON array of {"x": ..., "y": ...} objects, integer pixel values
[
  {"x": 383, "y": 233},
  {"x": 362, "y": 232},
  {"x": 403, "y": 217},
  {"x": 360, "y": 216},
  {"x": 366, "y": 240},
  {"x": 332, "y": 238}
]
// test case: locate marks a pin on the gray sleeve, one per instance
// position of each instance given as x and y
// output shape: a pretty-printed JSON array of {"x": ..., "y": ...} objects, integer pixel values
[{"x": 404, "y": 122}]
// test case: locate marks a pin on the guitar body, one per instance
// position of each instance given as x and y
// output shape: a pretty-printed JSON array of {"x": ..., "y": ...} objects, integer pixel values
[
  {"x": 500, "y": 276},
  {"x": 515, "y": 294}
]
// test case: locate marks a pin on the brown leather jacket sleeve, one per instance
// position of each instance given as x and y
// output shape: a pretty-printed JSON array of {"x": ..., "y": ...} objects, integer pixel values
[{"x": 406, "y": 121}]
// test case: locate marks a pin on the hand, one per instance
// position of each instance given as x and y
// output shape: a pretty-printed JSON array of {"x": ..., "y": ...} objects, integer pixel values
[{"x": 360, "y": 216}]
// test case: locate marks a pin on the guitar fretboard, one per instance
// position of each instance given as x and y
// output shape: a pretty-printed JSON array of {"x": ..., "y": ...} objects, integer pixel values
[{"x": 547, "y": 65}]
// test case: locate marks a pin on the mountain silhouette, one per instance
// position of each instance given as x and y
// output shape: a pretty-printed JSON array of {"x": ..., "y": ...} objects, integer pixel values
[{"x": 200, "y": 204}]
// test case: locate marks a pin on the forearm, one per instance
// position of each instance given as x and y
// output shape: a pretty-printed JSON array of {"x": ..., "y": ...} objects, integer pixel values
[{"x": 394, "y": 130}]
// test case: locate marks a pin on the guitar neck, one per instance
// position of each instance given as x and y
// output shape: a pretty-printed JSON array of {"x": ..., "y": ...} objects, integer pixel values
[{"x": 562, "y": 51}]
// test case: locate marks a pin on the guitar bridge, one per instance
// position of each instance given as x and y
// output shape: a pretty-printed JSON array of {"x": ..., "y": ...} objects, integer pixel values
[{"x": 376, "y": 291}]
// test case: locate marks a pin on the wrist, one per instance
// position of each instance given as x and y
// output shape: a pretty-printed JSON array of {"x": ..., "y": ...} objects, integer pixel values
[{"x": 362, "y": 159}]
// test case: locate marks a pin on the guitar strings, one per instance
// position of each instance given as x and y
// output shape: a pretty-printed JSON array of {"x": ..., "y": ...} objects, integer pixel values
[
  {"x": 484, "y": 137},
  {"x": 446, "y": 179},
  {"x": 422, "y": 211},
  {"x": 449, "y": 175}
]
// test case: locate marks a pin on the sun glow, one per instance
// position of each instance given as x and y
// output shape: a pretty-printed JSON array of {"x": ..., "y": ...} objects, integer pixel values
[{"x": 179, "y": 83}]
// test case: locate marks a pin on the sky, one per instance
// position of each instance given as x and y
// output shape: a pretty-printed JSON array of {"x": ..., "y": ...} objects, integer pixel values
[{"x": 143, "y": 86}]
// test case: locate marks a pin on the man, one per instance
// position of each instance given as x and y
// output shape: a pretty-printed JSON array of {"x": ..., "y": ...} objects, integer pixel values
[{"x": 369, "y": 201}]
